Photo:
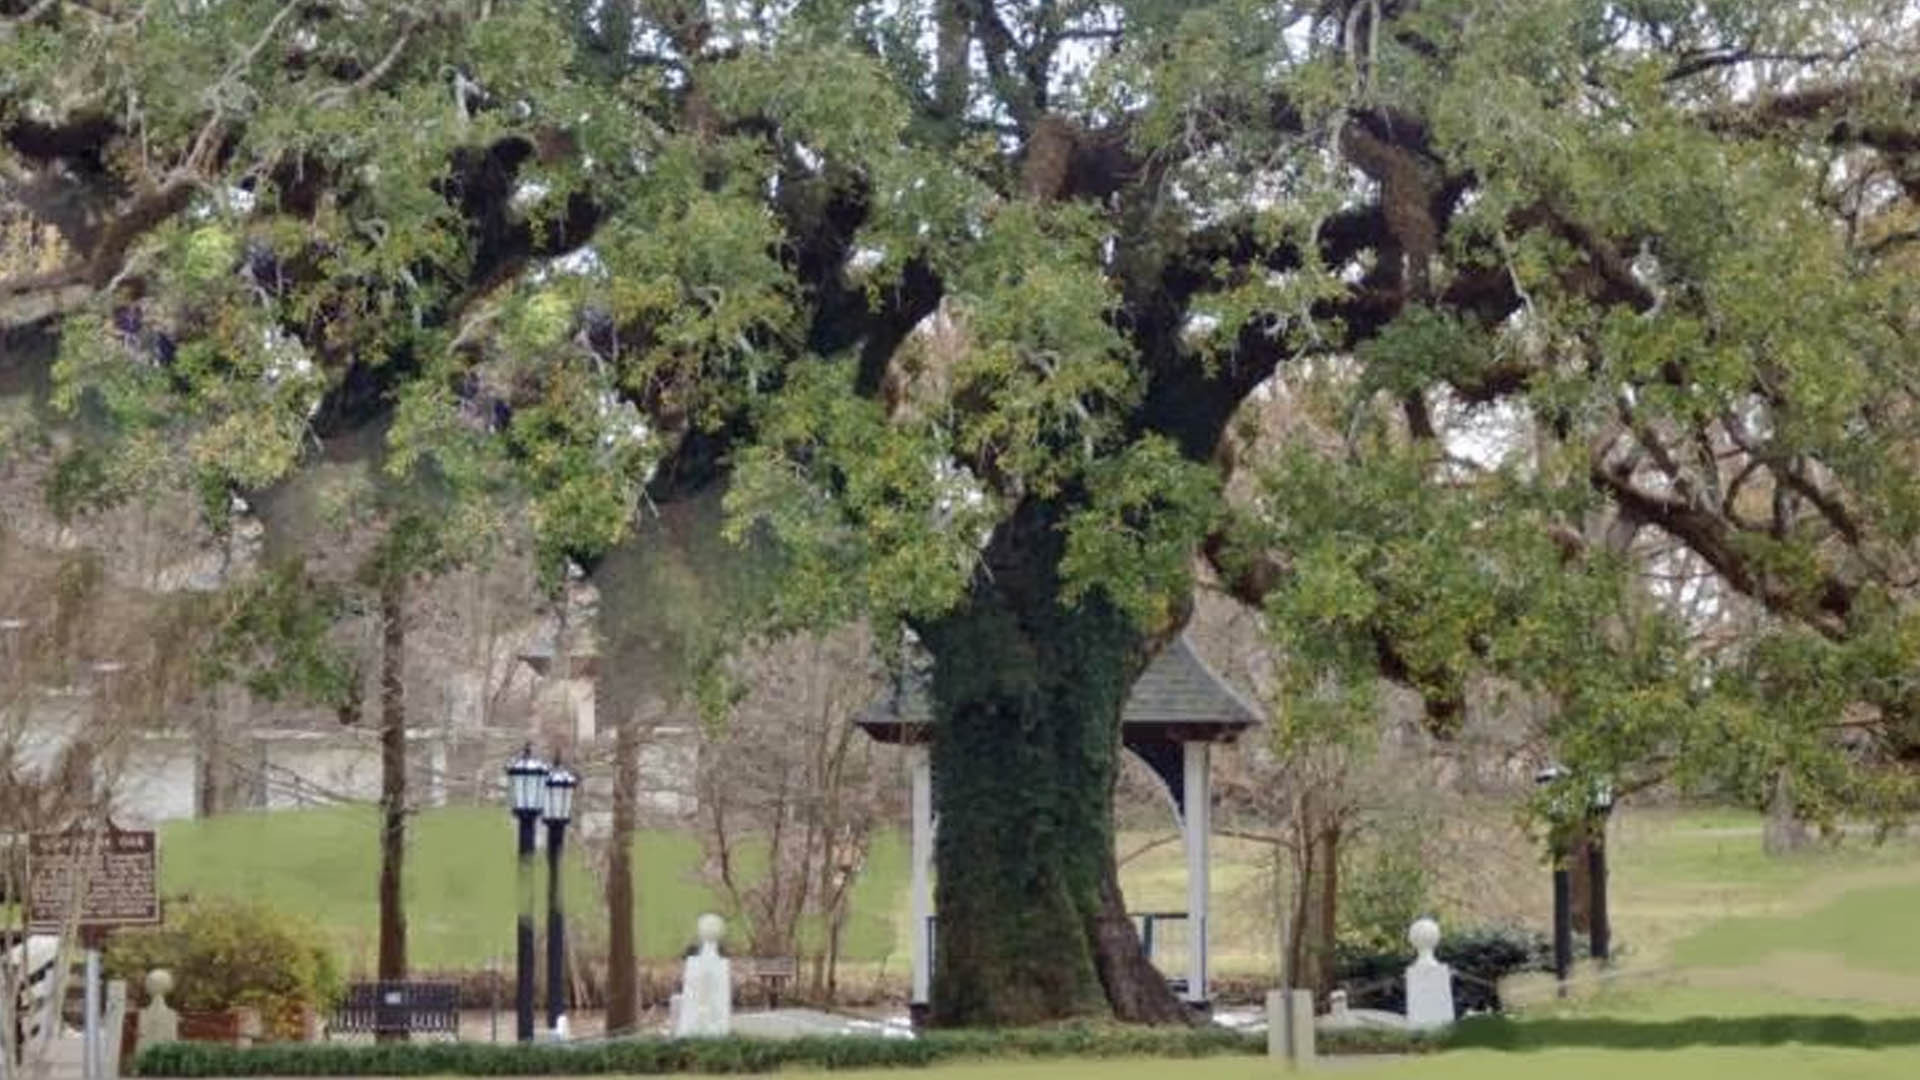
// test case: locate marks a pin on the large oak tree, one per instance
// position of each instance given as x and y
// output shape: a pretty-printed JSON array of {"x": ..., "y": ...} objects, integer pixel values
[{"x": 957, "y": 300}]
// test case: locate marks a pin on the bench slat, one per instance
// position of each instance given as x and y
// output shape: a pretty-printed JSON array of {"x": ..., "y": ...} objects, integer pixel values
[{"x": 411, "y": 1007}]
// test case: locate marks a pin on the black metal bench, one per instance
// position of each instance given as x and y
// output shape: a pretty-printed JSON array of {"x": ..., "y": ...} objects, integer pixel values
[
  {"x": 773, "y": 972},
  {"x": 398, "y": 1008}
]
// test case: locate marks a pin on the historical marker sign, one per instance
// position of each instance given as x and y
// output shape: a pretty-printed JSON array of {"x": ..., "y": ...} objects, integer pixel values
[{"x": 111, "y": 876}]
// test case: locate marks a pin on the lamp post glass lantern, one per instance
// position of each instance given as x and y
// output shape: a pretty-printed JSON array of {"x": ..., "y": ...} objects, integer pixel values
[
  {"x": 526, "y": 782},
  {"x": 561, "y": 783},
  {"x": 526, "y": 792}
]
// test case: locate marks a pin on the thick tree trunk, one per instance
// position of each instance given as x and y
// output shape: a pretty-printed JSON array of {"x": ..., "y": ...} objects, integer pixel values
[
  {"x": 393, "y": 778},
  {"x": 1027, "y": 695}
]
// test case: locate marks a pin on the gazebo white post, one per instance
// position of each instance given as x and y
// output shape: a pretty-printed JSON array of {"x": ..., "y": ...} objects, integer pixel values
[
  {"x": 1197, "y": 797},
  {"x": 922, "y": 902}
]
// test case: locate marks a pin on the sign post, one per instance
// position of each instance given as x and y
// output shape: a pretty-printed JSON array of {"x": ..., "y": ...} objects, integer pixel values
[{"x": 92, "y": 880}]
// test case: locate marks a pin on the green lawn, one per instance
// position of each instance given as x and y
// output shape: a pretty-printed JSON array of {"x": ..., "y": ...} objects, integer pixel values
[
  {"x": 1777, "y": 1063},
  {"x": 1709, "y": 923},
  {"x": 1679, "y": 876},
  {"x": 323, "y": 864},
  {"x": 1871, "y": 929},
  {"x": 1713, "y": 927},
  {"x": 1783, "y": 1063}
]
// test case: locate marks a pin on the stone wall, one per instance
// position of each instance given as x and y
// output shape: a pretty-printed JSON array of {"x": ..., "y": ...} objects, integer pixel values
[{"x": 161, "y": 775}]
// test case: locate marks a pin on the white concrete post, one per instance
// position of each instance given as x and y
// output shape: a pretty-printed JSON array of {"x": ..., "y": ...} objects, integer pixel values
[
  {"x": 1302, "y": 1051},
  {"x": 158, "y": 1022},
  {"x": 1290, "y": 1026},
  {"x": 1196, "y": 821},
  {"x": 922, "y": 880},
  {"x": 116, "y": 1018},
  {"x": 90, "y": 1024},
  {"x": 1429, "y": 982}
]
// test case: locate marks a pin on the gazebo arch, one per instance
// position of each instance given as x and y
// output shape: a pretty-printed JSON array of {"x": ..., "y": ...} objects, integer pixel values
[{"x": 1177, "y": 710}]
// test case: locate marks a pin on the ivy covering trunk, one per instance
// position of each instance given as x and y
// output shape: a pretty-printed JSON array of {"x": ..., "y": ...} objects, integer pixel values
[{"x": 1027, "y": 695}]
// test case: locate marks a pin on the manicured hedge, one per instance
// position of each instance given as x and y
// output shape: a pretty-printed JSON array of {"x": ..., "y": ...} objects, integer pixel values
[
  {"x": 652, "y": 1057},
  {"x": 1616, "y": 1033},
  {"x": 1378, "y": 1040}
]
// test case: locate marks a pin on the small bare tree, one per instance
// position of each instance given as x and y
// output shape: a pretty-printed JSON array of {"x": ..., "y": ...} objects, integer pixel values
[
  {"x": 85, "y": 667},
  {"x": 1308, "y": 791},
  {"x": 790, "y": 780}
]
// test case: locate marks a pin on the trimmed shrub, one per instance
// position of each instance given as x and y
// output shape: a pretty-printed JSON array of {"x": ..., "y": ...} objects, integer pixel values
[
  {"x": 652, "y": 1057},
  {"x": 1480, "y": 958},
  {"x": 226, "y": 954}
]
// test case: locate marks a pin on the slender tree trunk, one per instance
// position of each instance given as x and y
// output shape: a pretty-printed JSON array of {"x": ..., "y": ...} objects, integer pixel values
[
  {"x": 1027, "y": 696},
  {"x": 1297, "y": 975},
  {"x": 1785, "y": 832},
  {"x": 623, "y": 992},
  {"x": 1579, "y": 875},
  {"x": 1315, "y": 899},
  {"x": 836, "y": 927},
  {"x": 641, "y": 628},
  {"x": 1323, "y": 922},
  {"x": 950, "y": 70},
  {"x": 561, "y": 729},
  {"x": 393, "y": 778},
  {"x": 211, "y": 762}
]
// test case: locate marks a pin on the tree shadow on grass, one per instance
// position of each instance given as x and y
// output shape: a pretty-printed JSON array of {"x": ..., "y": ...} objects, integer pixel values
[{"x": 1501, "y": 1033}]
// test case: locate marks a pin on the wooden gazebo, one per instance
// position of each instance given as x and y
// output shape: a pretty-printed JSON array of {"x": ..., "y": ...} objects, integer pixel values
[{"x": 1178, "y": 709}]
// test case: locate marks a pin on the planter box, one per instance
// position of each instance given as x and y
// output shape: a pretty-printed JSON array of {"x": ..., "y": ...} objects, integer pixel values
[{"x": 234, "y": 1027}]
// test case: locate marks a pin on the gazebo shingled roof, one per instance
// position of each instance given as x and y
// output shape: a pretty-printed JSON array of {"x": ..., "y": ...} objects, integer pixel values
[
  {"x": 1178, "y": 690},
  {"x": 1177, "y": 699}
]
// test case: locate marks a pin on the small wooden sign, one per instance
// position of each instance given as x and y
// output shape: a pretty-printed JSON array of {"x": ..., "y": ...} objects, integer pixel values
[{"x": 93, "y": 879}]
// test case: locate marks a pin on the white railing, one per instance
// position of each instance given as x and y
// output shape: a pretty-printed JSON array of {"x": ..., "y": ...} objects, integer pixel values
[{"x": 37, "y": 956}]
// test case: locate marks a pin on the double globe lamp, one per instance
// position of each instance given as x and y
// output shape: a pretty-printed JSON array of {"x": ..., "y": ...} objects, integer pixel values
[{"x": 536, "y": 790}]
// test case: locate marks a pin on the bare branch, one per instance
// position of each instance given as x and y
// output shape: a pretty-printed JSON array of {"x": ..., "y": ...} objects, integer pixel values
[
  {"x": 30, "y": 15},
  {"x": 1828, "y": 105},
  {"x": 1697, "y": 61},
  {"x": 335, "y": 95},
  {"x": 1716, "y": 541}
]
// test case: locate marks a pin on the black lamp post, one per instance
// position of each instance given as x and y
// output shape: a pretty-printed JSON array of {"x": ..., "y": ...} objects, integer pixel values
[
  {"x": 1600, "y": 934},
  {"x": 1562, "y": 882},
  {"x": 526, "y": 784},
  {"x": 560, "y": 784}
]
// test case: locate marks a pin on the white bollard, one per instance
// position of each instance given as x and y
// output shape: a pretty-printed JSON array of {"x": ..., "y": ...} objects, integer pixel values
[
  {"x": 116, "y": 1026},
  {"x": 158, "y": 1022},
  {"x": 90, "y": 1023},
  {"x": 1290, "y": 1026},
  {"x": 1303, "y": 1047},
  {"x": 1429, "y": 982}
]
